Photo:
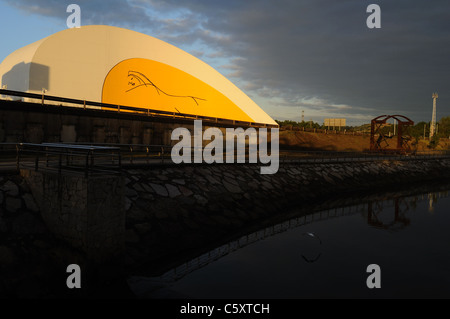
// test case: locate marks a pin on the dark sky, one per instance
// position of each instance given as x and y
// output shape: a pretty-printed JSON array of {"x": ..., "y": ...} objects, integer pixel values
[{"x": 291, "y": 55}]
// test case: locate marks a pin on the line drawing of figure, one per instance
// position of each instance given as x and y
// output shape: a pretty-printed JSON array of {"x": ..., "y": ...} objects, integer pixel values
[{"x": 138, "y": 79}]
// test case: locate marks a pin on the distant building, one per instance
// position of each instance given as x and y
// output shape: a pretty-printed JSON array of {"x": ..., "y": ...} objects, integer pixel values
[{"x": 333, "y": 123}]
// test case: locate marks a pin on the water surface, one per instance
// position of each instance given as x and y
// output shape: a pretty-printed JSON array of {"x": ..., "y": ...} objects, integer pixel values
[{"x": 326, "y": 254}]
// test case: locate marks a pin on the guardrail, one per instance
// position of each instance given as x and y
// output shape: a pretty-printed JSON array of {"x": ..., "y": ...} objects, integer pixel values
[
  {"x": 89, "y": 159},
  {"x": 144, "y": 154},
  {"x": 42, "y": 98},
  {"x": 130, "y": 153},
  {"x": 114, "y": 156},
  {"x": 323, "y": 131}
]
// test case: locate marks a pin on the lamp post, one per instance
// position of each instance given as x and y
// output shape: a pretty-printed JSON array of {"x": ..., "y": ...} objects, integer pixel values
[{"x": 434, "y": 96}]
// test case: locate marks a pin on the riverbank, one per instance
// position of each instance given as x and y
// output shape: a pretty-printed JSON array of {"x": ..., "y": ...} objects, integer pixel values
[
  {"x": 172, "y": 211},
  {"x": 176, "y": 212}
]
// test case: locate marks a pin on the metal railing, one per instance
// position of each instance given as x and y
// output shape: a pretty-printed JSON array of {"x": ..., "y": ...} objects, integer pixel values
[
  {"x": 114, "y": 108},
  {"x": 324, "y": 130},
  {"x": 114, "y": 156},
  {"x": 56, "y": 156},
  {"x": 137, "y": 153}
]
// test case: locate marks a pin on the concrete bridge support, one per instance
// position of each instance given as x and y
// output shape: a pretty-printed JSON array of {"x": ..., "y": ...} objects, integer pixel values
[{"x": 86, "y": 212}]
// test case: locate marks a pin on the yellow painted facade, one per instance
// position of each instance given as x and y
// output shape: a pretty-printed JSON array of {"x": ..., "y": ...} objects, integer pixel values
[{"x": 154, "y": 85}]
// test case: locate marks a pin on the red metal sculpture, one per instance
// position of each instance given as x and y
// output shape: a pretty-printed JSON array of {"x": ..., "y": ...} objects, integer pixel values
[{"x": 403, "y": 145}]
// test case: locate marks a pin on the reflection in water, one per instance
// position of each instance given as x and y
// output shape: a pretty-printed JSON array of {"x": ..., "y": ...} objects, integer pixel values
[
  {"x": 335, "y": 243},
  {"x": 433, "y": 198},
  {"x": 401, "y": 207},
  {"x": 221, "y": 251}
]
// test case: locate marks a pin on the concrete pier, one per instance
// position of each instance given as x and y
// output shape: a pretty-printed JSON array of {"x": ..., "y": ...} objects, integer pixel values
[{"x": 86, "y": 212}]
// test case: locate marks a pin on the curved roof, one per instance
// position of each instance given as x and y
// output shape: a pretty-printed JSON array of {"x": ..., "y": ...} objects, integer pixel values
[{"x": 102, "y": 64}]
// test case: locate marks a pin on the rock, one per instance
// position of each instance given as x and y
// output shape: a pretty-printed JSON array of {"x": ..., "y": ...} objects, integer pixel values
[
  {"x": 337, "y": 175},
  {"x": 138, "y": 187},
  {"x": 201, "y": 200},
  {"x": 253, "y": 185},
  {"x": 10, "y": 188},
  {"x": 30, "y": 203},
  {"x": 212, "y": 179},
  {"x": 147, "y": 188},
  {"x": 231, "y": 181},
  {"x": 217, "y": 173},
  {"x": 128, "y": 203},
  {"x": 162, "y": 177},
  {"x": 179, "y": 181},
  {"x": 13, "y": 204},
  {"x": 24, "y": 187},
  {"x": 232, "y": 188},
  {"x": 185, "y": 191},
  {"x": 204, "y": 186},
  {"x": 199, "y": 180},
  {"x": 328, "y": 179},
  {"x": 229, "y": 175},
  {"x": 217, "y": 190},
  {"x": 159, "y": 189},
  {"x": 267, "y": 185},
  {"x": 204, "y": 171},
  {"x": 129, "y": 192},
  {"x": 173, "y": 190},
  {"x": 147, "y": 196}
]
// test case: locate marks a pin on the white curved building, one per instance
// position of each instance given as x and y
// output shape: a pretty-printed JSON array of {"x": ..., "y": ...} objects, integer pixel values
[{"x": 118, "y": 66}]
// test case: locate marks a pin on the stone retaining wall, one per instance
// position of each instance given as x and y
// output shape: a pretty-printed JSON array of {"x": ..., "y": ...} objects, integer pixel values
[
  {"x": 170, "y": 211},
  {"x": 180, "y": 207}
]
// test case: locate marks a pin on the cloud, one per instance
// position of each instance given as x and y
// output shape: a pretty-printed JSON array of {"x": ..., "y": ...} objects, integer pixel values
[
  {"x": 92, "y": 11},
  {"x": 324, "y": 49}
]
